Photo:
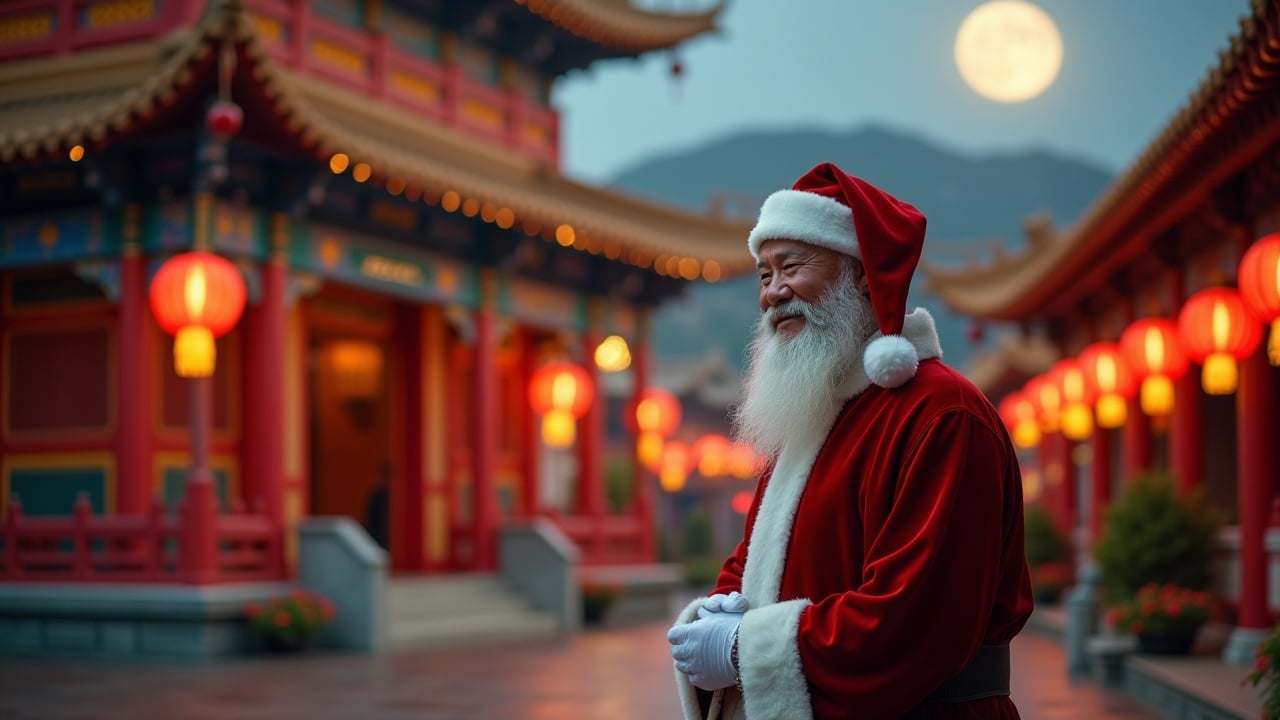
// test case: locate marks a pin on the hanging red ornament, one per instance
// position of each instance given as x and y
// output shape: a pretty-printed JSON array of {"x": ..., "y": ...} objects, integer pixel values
[{"x": 224, "y": 119}]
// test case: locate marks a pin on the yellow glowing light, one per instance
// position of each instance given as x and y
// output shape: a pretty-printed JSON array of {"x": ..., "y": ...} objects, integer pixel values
[
  {"x": 612, "y": 354},
  {"x": 506, "y": 218},
  {"x": 395, "y": 186},
  {"x": 565, "y": 235},
  {"x": 558, "y": 428},
  {"x": 1156, "y": 395},
  {"x": 711, "y": 271},
  {"x": 195, "y": 292},
  {"x": 451, "y": 201},
  {"x": 194, "y": 354},
  {"x": 1008, "y": 50},
  {"x": 1220, "y": 375},
  {"x": 338, "y": 163},
  {"x": 361, "y": 172},
  {"x": 77, "y": 153},
  {"x": 470, "y": 207}
]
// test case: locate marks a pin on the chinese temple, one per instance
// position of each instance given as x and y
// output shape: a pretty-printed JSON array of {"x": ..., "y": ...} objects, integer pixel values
[
  {"x": 1157, "y": 303},
  {"x": 384, "y": 177}
]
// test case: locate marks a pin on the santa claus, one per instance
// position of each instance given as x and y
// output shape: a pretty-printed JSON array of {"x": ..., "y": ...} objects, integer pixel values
[{"x": 882, "y": 572}]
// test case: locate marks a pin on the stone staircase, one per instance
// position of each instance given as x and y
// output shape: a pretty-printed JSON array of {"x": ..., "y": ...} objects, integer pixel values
[{"x": 451, "y": 610}]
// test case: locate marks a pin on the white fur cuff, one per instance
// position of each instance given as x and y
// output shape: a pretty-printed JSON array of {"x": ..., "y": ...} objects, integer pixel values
[{"x": 773, "y": 683}]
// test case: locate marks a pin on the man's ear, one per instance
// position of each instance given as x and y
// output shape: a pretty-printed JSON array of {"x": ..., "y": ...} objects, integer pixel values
[{"x": 860, "y": 277}]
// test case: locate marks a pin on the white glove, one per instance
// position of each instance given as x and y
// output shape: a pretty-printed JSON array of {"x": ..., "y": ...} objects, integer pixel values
[
  {"x": 734, "y": 602},
  {"x": 703, "y": 647}
]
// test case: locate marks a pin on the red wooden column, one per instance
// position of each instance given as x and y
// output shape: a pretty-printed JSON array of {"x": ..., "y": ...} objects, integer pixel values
[
  {"x": 133, "y": 432},
  {"x": 1100, "y": 479},
  {"x": 408, "y": 500},
  {"x": 1135, "y": 434},
  {"x": 264, "y": 382},
  {"x": 530, "y": 468},
  {"x": 1256, "y": 432},
  {"x": 1067, "y": 467},
  {"x": 484, "y": 501},
  {"x": 1186, "y": 444},
  {"x": 1136, "y": 439},
  {"x": 590, "y": 501},
  {"x": 641, "y": 485}
]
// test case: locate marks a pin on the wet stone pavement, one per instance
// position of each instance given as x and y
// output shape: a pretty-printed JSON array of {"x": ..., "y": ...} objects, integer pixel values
[{"x": 620, "y": 673}]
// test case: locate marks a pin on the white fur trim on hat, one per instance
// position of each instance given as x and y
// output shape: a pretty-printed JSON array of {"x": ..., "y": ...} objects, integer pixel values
[
  {"x": 890, "y": 360},
  {"x": 807, "y": 217}
]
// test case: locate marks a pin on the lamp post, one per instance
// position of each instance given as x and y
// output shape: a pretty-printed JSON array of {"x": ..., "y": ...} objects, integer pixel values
[{"x": 198, "y": 297}]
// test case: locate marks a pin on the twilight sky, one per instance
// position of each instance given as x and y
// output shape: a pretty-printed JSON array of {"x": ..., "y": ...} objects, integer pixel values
[{"x": 1128, "y": 66}]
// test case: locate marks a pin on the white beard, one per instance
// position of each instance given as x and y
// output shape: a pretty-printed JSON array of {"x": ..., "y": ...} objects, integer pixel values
[{"x": 792, "y": 387}]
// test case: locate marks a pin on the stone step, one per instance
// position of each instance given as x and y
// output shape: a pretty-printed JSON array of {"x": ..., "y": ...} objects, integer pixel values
[
  {"x": 452, "y": 610},
  {"x": 470, "y": 630}
]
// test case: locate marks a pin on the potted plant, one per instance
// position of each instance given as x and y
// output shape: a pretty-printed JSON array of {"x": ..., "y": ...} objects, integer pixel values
[
  {"x": 1266, "y": 672},
  {"x": 1164, "y": 618},
  {"x": 1152, "y": 534},
  {"x": 1048, "y": 555},
  {"x": 1048, "y": 580},
  {"x": 288, "y": 623},
  {"x": 597, "y": 598}
]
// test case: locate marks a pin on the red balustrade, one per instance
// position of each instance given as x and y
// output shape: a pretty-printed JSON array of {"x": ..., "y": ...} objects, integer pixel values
[{"x": 149, "y": 548}]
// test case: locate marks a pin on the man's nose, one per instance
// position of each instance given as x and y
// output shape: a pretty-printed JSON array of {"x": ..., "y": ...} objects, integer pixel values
[{"x": 777, "y": 291}]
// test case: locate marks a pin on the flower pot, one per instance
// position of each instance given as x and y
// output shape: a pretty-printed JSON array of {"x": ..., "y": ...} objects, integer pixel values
[
  {"x": 1170, "y": 643},
  {"x": 284, "y": 646}
]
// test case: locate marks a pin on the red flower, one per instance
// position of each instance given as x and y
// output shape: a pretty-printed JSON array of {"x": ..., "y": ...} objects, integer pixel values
[
  {"x": 1135, "y": 627},
  {"x": 253, "y": 610},
  {"x": 283, "y": 618}
]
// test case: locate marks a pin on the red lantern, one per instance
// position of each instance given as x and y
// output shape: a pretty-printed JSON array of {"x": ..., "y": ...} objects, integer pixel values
[
  {"x": 196, "y": 297},
  {"x": 1154, "y": 353},
  {"x": 1046, "y": 398},
  {"x": 1077, "y": 397},
  {"x": 656, "y": 415},
  {"x": 741, "y": 502},
  {"x": 1111, "y": 380},
  {"x": 1217, "y": 331},
  {"x": 1019, "y": 415},
  {"x": 224, "y": 119},
  {"x": 1260, "y": 287},
  {"x": 711, "y": 452},
  {"x": 561, "y": 392}
]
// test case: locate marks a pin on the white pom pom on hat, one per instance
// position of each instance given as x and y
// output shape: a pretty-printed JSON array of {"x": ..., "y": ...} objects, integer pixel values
[{"x": 832, "y": 209}]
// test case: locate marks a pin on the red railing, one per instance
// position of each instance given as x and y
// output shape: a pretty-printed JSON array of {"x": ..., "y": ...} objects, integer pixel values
[
  {"x": 605, "y": 540},
  {"x": 196, "y": 546},
  {"x": 38, "y": 27}
]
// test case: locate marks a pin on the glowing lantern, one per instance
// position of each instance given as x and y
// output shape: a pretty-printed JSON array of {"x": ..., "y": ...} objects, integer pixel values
[
  {"x": 1077, "y": 418},
  {"x": 612, "y": 354},
  {"x": 1111, "y": 379},
  {"x": 561, "y": 392},
  {"x": 196, "y": 297},
  {"x": 741, "y": 502},
  {"x": 674, "y": 466},
  {"x": 1217, "y": 331},
  {"x": 1019, "y": 415},
  {"x": 712, "y": 454},
  {"x": 742, "y": 461},
  {"x": 1260, "y": 288},
  {"x": 657, "y": 415},
  {"x": 1154, "y": 353},
  {"x": 1046, "y": 398}
]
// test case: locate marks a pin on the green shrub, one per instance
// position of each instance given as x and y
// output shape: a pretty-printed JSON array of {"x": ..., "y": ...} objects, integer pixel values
[
  {"x": 1153, "y": 535},
  {"x": 1046, "y": 543},
  {"x": 696, "y": 535},
  {"x": 1266, "y": 672}
]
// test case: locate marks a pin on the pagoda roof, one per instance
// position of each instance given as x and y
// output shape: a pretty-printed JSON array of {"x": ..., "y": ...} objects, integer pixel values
[
  {"x": 622, "y": 24},
  {"x": 1225, "y": 123},
  {"x": 95, "y": 98},
  {"x": 1014, "y": 360}
]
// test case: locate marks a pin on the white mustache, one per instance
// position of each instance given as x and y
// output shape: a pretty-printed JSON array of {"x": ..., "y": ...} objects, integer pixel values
[{"x": 789, "y": 309}]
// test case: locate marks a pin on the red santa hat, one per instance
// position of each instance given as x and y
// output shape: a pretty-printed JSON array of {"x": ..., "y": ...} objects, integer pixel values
[{"x": 835, "y": 210}]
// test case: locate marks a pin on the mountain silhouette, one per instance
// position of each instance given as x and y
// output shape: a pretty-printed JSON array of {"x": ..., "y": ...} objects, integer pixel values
[{"x": 972, "y": 202}]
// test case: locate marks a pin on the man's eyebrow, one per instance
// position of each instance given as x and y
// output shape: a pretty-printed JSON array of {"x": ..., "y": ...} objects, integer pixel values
[{"x": 781, "y": 255}]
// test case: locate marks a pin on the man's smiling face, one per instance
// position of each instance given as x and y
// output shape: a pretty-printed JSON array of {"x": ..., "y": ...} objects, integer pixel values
[{"x": 793, "y": 271}]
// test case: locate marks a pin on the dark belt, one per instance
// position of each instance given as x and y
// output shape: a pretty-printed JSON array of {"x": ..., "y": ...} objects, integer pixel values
[{"x": 986, "y": 675}]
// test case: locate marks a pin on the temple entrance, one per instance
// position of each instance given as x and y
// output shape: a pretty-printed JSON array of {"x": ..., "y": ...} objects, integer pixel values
[{"x": 351, "y": 470}]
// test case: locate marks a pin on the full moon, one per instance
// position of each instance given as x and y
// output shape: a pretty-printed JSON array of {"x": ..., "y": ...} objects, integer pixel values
[{"x": 1008, "y": 50}]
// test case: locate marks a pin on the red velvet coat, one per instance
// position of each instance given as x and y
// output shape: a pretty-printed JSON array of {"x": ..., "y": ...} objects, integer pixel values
[{"x": 880, "y": 559}]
